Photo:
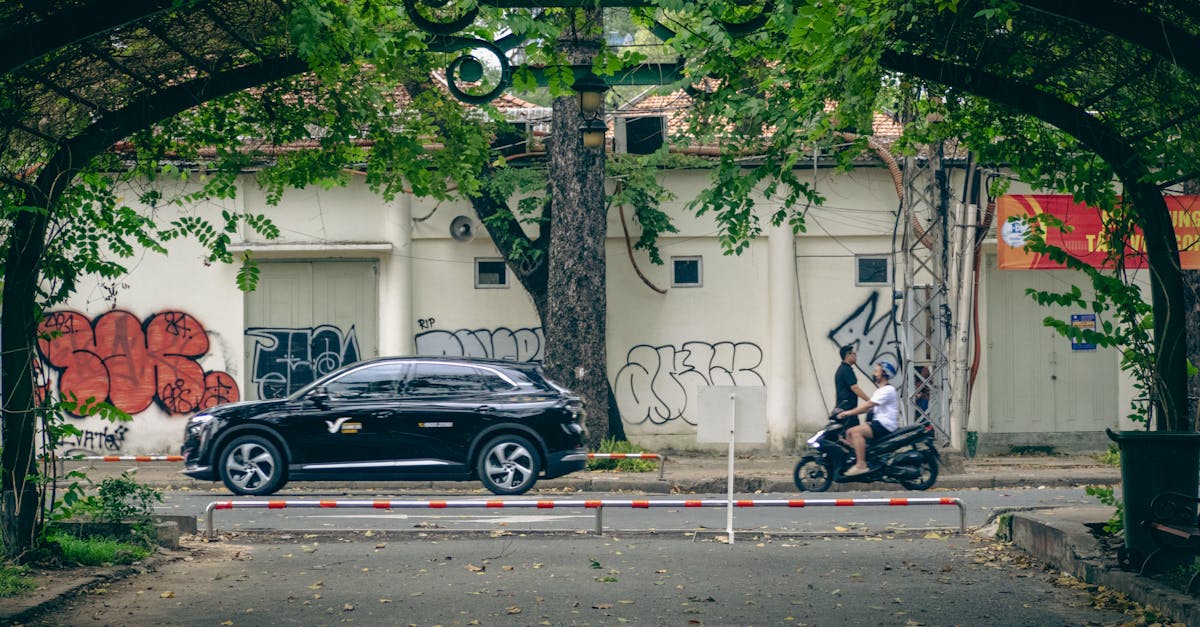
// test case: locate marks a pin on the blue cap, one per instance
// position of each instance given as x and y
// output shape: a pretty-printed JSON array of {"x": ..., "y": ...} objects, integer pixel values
[{"x": 889, "y": 370}]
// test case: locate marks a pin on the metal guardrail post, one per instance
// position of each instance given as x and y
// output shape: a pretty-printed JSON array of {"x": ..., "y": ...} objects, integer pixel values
[{"x": 600, "y": 520}]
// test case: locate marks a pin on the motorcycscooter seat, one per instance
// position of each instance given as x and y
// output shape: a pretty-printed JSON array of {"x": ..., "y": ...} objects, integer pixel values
[{"x": 898, "y": 433}]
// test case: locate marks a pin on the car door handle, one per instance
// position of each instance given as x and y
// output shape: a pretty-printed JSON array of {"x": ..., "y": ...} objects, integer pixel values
[{"x": 483, "y": 408}]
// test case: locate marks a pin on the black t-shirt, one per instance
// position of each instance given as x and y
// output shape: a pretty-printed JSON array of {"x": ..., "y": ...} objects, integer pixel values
[{"x": 845, "y": 377}]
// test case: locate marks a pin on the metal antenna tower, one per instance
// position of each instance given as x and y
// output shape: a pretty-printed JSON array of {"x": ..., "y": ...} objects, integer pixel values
[{"x": 925, "y": 318}]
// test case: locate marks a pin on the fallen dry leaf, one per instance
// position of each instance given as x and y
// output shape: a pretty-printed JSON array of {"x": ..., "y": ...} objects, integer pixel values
[
  {"x": 317, "y": 586},
  {"x": 512, "y": 609},
  {"x": 347, "y": 608},
  {"x": 167, "y": 595},
  {"x": 602, "y": 606},
  {"x": 476, "y": 569}
]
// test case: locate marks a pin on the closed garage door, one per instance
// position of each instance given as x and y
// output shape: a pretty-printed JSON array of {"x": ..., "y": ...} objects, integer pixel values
[{"x": 308, "y": 318}]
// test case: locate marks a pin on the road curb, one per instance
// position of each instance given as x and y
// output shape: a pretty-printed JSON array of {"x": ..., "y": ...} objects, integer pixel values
[
  {"x": 604, "y": 482},
  {"x": 1059, "y": 538}
]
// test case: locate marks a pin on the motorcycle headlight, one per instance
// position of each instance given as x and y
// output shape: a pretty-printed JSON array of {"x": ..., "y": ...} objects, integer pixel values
[{"x": 816, "y": 437}]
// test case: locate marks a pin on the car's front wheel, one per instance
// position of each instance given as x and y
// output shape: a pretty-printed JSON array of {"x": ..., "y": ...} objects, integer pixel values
[
  {"x": 251, "y": 465},
  {"x": 508, "y": 464}
]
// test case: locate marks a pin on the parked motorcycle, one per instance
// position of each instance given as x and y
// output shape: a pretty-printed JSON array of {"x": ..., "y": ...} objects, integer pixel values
[{"x": 906, "y": 456}]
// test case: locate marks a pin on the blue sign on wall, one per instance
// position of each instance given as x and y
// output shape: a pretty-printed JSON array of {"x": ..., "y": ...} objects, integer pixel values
[{"x": 1083, "y": 321}]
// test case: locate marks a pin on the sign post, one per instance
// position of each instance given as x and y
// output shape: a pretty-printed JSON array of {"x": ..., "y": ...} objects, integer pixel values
[{"x": 731, "y": 414}]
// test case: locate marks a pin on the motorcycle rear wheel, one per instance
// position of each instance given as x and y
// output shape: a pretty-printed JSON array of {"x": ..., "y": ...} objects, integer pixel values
[
  {"x": 927, "y": 473},
  {"x": 811, "y": 475}
]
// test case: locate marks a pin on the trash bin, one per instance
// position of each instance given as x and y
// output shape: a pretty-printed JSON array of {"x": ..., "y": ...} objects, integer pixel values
[{"x": 1153, "y": 462}]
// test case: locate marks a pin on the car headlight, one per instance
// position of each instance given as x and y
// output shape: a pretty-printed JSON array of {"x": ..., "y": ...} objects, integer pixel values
[{"x": 198, "y": 421}]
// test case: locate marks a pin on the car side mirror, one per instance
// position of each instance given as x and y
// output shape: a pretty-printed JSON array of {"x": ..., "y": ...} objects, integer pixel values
[{"x": 319, "y": 396}]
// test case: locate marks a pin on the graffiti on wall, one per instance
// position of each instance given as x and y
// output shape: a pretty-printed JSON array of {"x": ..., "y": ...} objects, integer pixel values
[
  {"x": 658, "y": 384},
  {"x": 287, "y": 359},
  {"x": 872, "y": 331},
  {"x": 502, "y": 343},
  {"x": 131, "y": 363},
  {"x": 106, "y": 439}
]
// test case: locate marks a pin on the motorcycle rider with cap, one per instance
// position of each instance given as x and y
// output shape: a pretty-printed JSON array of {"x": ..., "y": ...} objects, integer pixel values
[{"x": 885, "y": 403}]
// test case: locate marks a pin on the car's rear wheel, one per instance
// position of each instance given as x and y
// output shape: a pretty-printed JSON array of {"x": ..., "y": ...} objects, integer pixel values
[
  {"x": 251, "y": 465},
  {"x": 508, "y": 464}
]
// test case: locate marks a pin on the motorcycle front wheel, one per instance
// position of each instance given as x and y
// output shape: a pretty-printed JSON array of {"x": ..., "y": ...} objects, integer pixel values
[
  {"x": 927, "y": 473},
  {"x": 811, "y": 475}
]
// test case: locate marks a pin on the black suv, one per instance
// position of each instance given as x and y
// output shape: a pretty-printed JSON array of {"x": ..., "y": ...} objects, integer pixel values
[{"x": 413, "y": 418}]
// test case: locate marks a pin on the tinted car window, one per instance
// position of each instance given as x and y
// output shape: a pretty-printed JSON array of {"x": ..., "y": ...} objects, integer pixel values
[
  {"x": 434, "y": 379},
  {"x": 378, "y": 381}
]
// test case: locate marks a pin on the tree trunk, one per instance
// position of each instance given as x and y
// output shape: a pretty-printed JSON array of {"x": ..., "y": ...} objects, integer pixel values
[
  {"x": 18, "y": 418},
  {"x": 1170, "y": 385},
  {"x": 575, "y": 316}
]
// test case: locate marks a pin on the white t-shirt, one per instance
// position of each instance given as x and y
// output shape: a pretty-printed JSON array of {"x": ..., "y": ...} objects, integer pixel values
[{"x": 887, "y": 407}]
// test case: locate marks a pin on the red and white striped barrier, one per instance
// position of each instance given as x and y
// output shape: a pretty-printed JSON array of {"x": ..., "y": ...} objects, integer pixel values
[
  {"x": 596, "y": 504},
  {"x": 130, "y": 458},
  {"x": 662, "y": 459},
  {"x": 116, "y": 458}
]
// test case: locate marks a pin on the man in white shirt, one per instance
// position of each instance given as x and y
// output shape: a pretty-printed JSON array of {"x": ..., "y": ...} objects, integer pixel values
[{"x": 886, "y": 403}]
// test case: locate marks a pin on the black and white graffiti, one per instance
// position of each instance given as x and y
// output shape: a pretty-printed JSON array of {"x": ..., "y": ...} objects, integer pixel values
[
  {"x": 94, "y": 441},
  {"x": 658, "y": 384},
  {"x": 502, "y": 343},
  {"x": 287, "y": 359},
  {"x": 872, "y": 332}
]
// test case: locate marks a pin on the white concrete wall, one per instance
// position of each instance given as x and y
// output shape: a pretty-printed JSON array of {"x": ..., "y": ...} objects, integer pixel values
[{"x": 661, "y": 346}]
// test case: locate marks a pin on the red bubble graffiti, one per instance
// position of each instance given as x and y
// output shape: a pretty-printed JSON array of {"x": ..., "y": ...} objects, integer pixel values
[{"x": 132, "y": 364}]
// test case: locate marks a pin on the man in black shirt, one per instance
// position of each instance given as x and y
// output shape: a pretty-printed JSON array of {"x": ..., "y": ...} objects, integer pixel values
[{"x": 846, "y": 382}]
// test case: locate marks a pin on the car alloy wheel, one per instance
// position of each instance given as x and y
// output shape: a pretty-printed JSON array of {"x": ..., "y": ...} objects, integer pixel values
[
  {"x": 508, "y": 464},
  {"x": 251, "y": 465}
]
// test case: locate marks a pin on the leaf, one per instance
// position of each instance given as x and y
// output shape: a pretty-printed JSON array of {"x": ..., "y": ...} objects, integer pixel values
[
  {"x": 317, "y": 586},
  {"x": 512, "y": 609},
  {"x": 475, "y": 569},
  {"x": 167, "y": 595},
  {"x": 602, "y": 606}
]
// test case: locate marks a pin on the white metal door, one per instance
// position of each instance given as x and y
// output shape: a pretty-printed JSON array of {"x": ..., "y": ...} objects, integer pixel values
[
  {"x": 306, "y": 319},
  {"x": 1036, "y": 381}
]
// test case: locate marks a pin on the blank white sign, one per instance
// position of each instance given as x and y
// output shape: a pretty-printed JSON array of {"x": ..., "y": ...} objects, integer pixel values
[{"x": 716, "y": 409}]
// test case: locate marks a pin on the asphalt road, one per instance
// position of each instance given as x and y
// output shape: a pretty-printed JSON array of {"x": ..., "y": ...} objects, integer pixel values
[
  {"x": 401, "y": 579},
  {"x": 980, "y": 505}
]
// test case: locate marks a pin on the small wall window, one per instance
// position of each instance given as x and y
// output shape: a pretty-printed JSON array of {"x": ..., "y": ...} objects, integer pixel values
[
  {"x": 873, "y": 271},
  {"x": 490, "y": 273},
  {"x": 687, "y": 272}
]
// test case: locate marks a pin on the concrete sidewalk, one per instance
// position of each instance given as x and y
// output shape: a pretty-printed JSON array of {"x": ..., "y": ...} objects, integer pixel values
[{"x": 686, "y": 473}]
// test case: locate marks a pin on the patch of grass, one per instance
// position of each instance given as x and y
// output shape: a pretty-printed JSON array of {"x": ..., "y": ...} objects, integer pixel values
[
  {"x": 611, "y": 445},
  {"x": 96, "y": 551},
  {"x": 15, "y": 581},
  {"x": 1111, "y": 457}
]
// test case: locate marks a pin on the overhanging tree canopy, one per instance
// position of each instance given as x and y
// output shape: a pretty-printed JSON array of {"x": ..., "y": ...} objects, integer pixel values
[{"x": 1112, "y": 79}]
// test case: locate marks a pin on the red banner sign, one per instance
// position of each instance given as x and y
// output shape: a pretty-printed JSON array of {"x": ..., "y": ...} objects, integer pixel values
[{"x": 1085, "y": 240}]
